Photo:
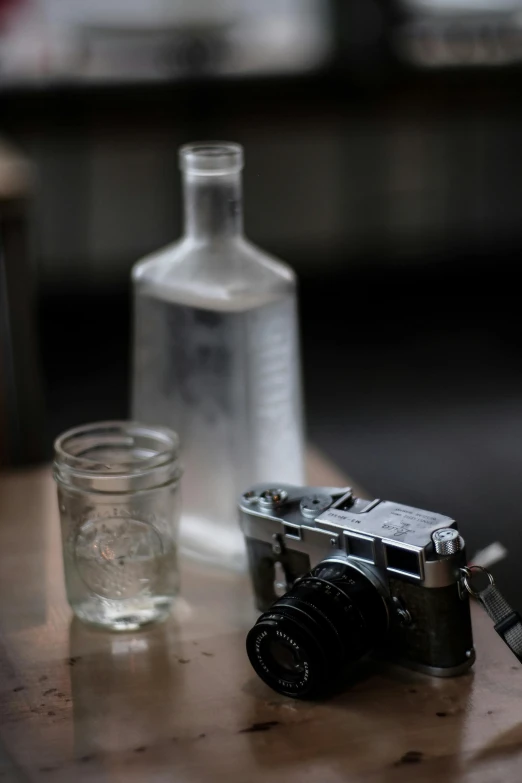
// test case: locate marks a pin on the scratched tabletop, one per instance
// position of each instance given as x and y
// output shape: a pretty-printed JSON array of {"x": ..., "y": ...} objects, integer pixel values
[{"x": 180, "y": 702}]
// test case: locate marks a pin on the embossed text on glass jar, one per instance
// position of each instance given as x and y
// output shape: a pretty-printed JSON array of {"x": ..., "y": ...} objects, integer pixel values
[{"x": 119, "y": 509}]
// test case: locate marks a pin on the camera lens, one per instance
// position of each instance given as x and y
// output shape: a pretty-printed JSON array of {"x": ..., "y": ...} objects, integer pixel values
[
  {"x": 285, "y": 657},
  {"x": 331, "y": 617}
]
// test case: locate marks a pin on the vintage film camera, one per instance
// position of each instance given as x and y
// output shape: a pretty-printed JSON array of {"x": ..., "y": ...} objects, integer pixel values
[{"x": 338, "y": 577}]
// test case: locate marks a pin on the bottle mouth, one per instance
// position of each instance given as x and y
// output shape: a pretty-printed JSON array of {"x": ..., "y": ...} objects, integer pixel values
[{"x": 211, "y": 158}]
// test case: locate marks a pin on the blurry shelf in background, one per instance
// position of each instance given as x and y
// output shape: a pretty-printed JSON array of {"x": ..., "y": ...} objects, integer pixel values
[
  {"x": 59, "y": 43},
  {"x": 71, "y": 41},
  {"x": 461, "y": 33}
]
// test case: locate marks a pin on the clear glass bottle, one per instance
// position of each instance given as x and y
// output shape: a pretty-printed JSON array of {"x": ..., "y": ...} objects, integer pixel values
[{"x": 216, "y": 355}]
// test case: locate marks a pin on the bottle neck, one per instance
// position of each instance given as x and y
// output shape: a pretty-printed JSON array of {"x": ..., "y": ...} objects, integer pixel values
[{"x": 213, "y": 207}]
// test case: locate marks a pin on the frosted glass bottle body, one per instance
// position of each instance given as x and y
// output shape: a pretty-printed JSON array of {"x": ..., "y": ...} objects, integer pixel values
[{"x": 216, "y": 357}]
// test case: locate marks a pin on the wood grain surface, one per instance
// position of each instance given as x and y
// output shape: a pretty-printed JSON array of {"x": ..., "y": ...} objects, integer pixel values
[{"x": 180, "y": 702}]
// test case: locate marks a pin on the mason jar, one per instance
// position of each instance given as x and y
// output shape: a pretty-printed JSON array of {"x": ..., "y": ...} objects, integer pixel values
[{"x": 119, "y": 500}]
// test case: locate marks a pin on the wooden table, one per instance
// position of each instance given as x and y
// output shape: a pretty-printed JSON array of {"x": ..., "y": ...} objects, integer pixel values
[{"x": 181, "y": 703}]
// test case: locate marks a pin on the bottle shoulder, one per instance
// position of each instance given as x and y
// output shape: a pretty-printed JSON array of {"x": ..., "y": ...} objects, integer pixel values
[{"x": 228, "y": 274}]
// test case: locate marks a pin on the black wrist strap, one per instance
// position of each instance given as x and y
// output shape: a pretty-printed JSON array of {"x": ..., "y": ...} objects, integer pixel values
[{"x": 508, "y": 623}]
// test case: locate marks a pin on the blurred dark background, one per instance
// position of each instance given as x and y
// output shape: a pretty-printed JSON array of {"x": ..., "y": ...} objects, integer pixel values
[{"x": 383, "y": 148}]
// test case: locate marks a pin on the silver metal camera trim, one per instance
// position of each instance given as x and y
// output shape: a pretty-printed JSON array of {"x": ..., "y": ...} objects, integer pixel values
[{"x": 316, "y": 537}]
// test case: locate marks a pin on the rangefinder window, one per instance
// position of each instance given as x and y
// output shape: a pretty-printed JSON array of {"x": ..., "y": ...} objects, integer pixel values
[
  {"x": 292, "y": 531},
  {"x": 402, "y": 561},
  {"x": 360, "y": 547}
]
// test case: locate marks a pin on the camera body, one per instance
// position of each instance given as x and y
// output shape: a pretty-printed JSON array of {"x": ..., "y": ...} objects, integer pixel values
[{"x": 409, "y": 560}]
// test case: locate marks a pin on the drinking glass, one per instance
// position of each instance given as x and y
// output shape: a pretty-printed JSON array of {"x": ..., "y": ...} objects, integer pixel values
[{"x": 119, "y": 500}]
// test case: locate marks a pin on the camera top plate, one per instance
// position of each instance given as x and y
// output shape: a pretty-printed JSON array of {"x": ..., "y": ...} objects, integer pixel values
[{"x": 385, "y": 520}]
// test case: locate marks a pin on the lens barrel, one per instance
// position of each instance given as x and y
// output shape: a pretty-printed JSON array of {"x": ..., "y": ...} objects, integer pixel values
[{"x": 331, "y": 617}]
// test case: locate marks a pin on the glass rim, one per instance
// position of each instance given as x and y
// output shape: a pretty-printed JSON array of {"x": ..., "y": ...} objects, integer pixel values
[
  {"x": 211, "y": 158},
  {"x": 127, "y": 429}
]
